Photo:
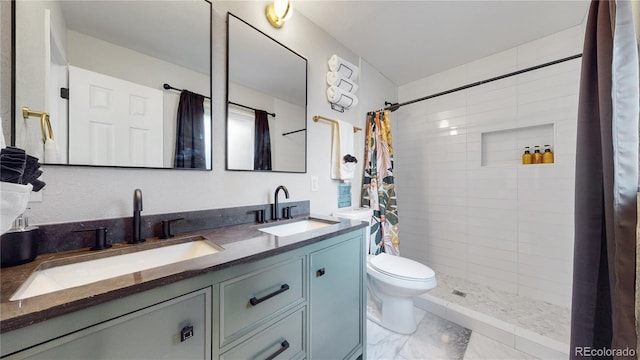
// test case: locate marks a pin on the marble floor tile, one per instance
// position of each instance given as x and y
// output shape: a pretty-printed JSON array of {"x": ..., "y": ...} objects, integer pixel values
[
  {"x": 436, "y": 338},
  {"x": 481, "y": 347},
  {"x": 383, "y": 344}
]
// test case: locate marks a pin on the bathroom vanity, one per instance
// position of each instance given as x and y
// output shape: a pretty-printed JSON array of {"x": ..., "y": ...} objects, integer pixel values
[{"x": 261, "y": 296}]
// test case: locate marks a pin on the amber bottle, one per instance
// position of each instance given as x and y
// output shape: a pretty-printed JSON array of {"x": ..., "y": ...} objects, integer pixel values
[
  {"x": 526, "y": 157},
  {"x": 537, "y": 155},
  {"x": 547, "y": 156}
]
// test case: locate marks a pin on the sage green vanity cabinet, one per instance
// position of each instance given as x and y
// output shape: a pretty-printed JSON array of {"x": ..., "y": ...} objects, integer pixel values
[
  {"x": 319, "y": 316},
  {"x": 306, "y": 303},
  {"x": 335, "y": 301},
  {"x": 174, "y": 329}
]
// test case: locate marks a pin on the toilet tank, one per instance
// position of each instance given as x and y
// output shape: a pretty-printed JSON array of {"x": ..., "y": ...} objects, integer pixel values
[{"x": 364, "y": 214}]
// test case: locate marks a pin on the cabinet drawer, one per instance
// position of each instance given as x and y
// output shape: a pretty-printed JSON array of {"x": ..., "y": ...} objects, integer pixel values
[
  {"x": 252, "y": 298},
  {"x": 282, "y": 340},
  {"x": 150, "y": 333}
]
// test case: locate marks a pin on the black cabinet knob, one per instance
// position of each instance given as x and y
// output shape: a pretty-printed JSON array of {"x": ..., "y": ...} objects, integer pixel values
[{"x": 186, "y": 333}]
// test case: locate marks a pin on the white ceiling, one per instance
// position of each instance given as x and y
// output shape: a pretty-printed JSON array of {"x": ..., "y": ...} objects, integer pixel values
[{"x": 409, "y": 40}]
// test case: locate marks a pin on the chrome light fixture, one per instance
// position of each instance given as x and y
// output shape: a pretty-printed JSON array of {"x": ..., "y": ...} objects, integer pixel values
[{"x": 278, "y": 12}]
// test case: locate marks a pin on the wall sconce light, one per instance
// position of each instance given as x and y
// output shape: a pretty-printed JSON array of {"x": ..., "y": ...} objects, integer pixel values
[{"x": 278, "y": 12}]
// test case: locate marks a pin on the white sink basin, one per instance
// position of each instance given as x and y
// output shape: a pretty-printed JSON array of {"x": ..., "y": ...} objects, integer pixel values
[
  {"x": 81, "y": 273},
  {"x": 295, "y": 227}
]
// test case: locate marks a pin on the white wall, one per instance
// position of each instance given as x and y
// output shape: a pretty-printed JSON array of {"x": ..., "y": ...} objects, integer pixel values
[
  {"x": 287, "y": 152},
  {"x": 79, "y": 193},
  {"x": 504, "y": 224}
]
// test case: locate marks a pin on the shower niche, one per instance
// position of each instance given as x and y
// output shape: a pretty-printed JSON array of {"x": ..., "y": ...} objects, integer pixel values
[{"x": 505, "y": 147}]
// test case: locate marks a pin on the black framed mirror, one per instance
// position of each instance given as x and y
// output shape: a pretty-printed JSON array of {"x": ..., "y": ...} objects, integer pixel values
[
  {"x": 266, "y": 102},
  {"x": 103, "y": 82}
]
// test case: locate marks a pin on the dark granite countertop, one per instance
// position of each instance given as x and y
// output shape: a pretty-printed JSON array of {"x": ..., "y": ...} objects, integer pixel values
[{"x": 241, "y": 244}]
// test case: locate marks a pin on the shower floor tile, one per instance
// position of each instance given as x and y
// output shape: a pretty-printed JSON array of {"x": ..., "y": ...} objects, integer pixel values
[{"x": 540, "y": 317}]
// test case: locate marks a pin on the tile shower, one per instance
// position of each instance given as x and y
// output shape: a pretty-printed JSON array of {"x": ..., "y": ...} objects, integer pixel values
[{"x": 471, "y": 211}]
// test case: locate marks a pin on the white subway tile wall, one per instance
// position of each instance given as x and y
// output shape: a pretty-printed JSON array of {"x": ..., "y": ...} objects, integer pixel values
[{"x": 469, "y": 207}]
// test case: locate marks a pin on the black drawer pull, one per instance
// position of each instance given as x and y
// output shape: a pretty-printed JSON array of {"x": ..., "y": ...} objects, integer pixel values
[
  {"x": 283, "y": 346},
  {"x": 320, "y": 272},
  {"x": 255, "y": 301}
]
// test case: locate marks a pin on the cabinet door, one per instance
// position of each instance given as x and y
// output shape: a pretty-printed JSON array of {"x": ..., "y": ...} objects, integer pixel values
[
  {"x": 151, "y": 333},
  {"x": 336, "y": 300}
]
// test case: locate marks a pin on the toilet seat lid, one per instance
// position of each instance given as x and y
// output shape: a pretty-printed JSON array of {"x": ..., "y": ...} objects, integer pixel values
[{"x": 401, "y": 267}]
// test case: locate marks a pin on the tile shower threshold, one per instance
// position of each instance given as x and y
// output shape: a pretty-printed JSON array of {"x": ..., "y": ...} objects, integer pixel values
[{"x": 513, "y": 334}]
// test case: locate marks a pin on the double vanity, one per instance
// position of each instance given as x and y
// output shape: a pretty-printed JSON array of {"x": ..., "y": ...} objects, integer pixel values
[
  {"x": 226, "y": 287},
  {"x": 290, "y": 289}
]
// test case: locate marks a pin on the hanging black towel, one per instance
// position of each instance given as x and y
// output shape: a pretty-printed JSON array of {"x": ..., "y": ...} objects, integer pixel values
[
  {"x": 190, "y": 142},
  {"x": 19, "y": 168},
  {"x": 262, "y": 143}
]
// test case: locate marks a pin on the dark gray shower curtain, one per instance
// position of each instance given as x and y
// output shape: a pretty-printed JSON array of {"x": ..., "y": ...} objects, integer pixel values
[
  {"x": 262, "y": 143},
  {"x": 190, "y": 142},
  {"x": 603, "y": 315}
]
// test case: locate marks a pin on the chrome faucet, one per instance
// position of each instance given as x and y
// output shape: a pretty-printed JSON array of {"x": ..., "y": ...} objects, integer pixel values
[
  {"x": 137, "y": 208},
  {"x": 276, "y": 211}
]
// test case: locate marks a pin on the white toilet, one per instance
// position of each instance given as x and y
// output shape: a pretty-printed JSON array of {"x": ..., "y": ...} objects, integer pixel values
[{"x": 393, "y": 281}]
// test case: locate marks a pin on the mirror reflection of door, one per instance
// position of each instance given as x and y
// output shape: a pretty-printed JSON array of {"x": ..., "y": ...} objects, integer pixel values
[
  {"x": 148, "y": 43},
  {"x": 113, "y": 122}
]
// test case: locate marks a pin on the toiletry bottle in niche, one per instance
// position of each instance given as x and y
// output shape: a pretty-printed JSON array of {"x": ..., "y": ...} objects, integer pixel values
[
  {"x": 537, "y": 155},
  {"x": 547, "y": 156},
  {"x": 527, "y": 158}
]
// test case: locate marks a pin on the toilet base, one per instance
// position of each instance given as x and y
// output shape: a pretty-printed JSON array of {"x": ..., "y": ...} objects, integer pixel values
[{"x": 395, "y": 314}]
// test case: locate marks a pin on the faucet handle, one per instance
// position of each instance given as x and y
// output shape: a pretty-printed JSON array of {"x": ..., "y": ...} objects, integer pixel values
[
  {"x": 101, "y": 242},
  {"x": 260, "y": 216},
  {"x": 165, "y": 228},
  {"x": 286, "y": 212}
]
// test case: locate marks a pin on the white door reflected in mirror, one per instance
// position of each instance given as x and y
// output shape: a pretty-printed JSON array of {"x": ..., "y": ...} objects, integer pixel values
[
  {"x": 129, "y": 40},
  {"x": 113, "y": 121}
]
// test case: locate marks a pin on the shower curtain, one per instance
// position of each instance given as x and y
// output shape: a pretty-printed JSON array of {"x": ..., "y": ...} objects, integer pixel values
[
  {"x": 262, "y": 143},
  {"x": 190, "y": 143},
  {"x": 378, "y": 187},
  {"x": 603, "y": 314}
]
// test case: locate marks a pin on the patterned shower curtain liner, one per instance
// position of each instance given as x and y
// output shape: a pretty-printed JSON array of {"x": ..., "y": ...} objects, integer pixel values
[{"x": 378, "y": 188}]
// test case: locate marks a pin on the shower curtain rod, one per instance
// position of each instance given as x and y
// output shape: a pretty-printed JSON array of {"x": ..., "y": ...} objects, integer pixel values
[
  {"x": 396, "y": 106},
  {"x": 250, "y": 108},
  {"x": 169, "y": 87}
]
